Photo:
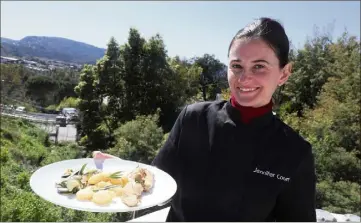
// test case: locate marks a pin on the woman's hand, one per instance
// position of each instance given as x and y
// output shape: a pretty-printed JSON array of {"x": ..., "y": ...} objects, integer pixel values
[
  {"x": 99, "y": 158},
  {"x": 102, "y": 156}
]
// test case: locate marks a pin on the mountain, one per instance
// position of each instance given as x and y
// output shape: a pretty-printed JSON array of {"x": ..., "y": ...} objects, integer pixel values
[{"x": 53, "y": 48}]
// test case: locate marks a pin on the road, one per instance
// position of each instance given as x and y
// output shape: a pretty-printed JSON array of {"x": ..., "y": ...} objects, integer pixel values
[
  {"x": 32, "y": 116},
  {"x": 47, "y": 122},
  {"x": 67, "y": 133}
]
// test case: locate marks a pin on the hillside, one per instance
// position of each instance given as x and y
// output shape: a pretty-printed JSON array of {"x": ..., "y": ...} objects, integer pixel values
[
  {"x": 54, "y": 48},
  {"x": 24, "y": 149}
]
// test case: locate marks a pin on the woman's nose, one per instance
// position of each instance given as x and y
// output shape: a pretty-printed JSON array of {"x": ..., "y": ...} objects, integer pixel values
[{"x": 244, "y": 76}]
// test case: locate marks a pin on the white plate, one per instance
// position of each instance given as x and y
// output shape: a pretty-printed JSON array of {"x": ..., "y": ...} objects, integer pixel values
[{"x": 43, "y": 182}]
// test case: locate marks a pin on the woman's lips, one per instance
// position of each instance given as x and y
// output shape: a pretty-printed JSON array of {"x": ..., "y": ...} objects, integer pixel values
[{"x": 247, "y": 89}]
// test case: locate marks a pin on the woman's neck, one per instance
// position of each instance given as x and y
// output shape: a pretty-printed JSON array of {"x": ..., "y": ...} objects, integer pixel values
[{"x": 249, "y": 113}]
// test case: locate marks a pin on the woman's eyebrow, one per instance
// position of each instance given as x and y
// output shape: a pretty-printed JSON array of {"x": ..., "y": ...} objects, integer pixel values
[
  {"x": 260, "y": 60},
  {"x": 236, "y": 60},
  {"x": 254, "y": 61}
]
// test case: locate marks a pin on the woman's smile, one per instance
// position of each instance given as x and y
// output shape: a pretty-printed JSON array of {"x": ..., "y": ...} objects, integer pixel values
[{"x": 247, "y": 90}]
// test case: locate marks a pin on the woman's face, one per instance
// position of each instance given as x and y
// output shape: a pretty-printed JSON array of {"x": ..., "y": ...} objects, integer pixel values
[{"x": 254, "y": 72}]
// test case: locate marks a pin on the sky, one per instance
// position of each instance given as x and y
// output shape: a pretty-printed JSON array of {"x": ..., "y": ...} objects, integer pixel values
[{"x": 188, "y": 28}]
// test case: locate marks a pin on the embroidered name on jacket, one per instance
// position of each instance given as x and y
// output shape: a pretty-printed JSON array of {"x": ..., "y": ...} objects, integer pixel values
[{"x": 272, "y": 175}]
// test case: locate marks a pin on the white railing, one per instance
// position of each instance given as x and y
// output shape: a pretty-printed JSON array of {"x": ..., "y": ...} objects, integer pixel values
[
  {"x": 322, "y": 216},
  {"x": 157, "y": 216}
]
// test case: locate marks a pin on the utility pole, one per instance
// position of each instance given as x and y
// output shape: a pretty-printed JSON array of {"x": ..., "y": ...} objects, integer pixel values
[
  {"x": 56, "y": 134},
  {"x": 203, "y": 87}
]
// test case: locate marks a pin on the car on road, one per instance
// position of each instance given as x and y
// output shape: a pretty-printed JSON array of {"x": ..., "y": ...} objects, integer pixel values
[
  {"x": 71, "y": 114},
  {"x": 20, "y": 109},
  {"x": 61, "y": 120}
]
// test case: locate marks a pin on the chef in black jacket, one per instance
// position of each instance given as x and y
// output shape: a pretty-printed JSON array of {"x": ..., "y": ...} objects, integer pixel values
[{"x": 234, "y": 160}]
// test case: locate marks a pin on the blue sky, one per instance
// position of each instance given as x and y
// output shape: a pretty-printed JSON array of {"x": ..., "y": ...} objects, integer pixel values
[{"x": 188, "y": 28}]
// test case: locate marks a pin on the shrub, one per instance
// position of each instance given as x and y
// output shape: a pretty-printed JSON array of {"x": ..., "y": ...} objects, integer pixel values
[{"x": 139, "y": 139}]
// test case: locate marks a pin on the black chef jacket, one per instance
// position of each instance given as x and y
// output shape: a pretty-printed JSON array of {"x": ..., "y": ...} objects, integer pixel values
[{"x": 229, "y": 171}]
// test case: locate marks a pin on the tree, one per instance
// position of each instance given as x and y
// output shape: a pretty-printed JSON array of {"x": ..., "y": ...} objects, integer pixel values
[
  {"x": 226, "y": 94},
  {"x": 150, "y": 81},
  {"x": 186, "y": 80},
  {"x": 310, "y": 73},
  {"x": 109, "y": 72},
  {"x": 131, "y": 58},
  {"x": 39, "y": 87},
  {"x": 213, "y": 77},
  {"x": 93, "y": 136},
  {"x": 332, "y": 126}
]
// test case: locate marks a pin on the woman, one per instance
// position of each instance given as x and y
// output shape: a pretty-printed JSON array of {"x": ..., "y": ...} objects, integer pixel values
[{"x": 234, "y": 160}]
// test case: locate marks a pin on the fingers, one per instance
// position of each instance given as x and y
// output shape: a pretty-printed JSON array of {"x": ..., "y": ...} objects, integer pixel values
[
  {"x": 100, "y": 155},
  {"x": 97, "y": 154}
]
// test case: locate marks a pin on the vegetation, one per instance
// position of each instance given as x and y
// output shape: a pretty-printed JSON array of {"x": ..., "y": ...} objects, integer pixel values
[
  {"x": 21, "y": 86},
  {"x": 321, "y": 101},
  {"x": 25, "y": 148},
  {"x": 130, "y": 98},
  {"x": 323, "y": 104}
]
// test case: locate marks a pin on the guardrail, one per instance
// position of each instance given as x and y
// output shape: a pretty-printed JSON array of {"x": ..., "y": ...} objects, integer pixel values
[{"x": 29, "y": 117}]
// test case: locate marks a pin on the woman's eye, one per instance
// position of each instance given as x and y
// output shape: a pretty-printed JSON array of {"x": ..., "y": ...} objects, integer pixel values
[
  {"x": 258, "y": 66},
  {"x": 237, "y": 66}
]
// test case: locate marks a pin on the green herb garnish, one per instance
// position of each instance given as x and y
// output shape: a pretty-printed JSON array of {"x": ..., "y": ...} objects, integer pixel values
[
  {"x": 82, "y": 169},
  {"x": 116, "y": 175},
  {"x": 106, "y": 188}
]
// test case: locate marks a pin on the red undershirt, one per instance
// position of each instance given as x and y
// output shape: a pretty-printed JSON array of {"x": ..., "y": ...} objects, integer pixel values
[{"x": 249, "y": 113}]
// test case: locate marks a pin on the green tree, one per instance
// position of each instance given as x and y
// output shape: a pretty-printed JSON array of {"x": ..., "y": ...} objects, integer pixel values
[
  {"x": 139, "y": 140},
  {"x": 151, "y": 79},
  {"x": 310, "y": 73},
  {"x": 110, "y": 86},
  {"x": 39, "y": 87},
  {"x": 186, "y": 81},
  {"x": 93, "y": 136},
  {"x": 131, "y": 57},
  {"x": 213, "y": 77},
  {"x": 332, "y": 126}
]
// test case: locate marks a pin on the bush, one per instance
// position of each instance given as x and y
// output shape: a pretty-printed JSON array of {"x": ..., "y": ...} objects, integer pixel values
[
  {"x": 69, "y": 102},
  {"x": 138, "y": 140},
  {"x": 52, "y": 107},
  {"x": 4, "y": 155},
  {"x": 63, "y": 152},
  {"x": 341, "y": 197}
]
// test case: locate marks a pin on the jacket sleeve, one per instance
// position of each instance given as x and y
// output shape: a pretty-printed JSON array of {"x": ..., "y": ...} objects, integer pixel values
[
  {"x": 297, "y": 201},
  {"x": 167, "y": 158}
]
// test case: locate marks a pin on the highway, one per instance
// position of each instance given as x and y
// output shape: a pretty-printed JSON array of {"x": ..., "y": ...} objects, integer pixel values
[
  {"x": 47, "y": 122},
  {"x": 67, "y": 133}
]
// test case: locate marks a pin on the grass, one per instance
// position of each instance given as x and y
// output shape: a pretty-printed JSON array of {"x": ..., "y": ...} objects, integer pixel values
[{"x": 24, "y": 149}]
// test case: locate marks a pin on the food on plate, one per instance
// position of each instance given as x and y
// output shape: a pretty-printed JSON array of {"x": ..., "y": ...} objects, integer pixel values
[
  {"x": 130, "y": 200},
  {"x": 144, "y": 177},
  {"x": 102, "y": 187},
  {"x": 102, "y": 197},
  {"x": 85, "y": 194}
]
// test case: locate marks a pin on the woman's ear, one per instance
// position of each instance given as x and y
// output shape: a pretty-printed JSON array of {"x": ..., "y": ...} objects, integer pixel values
[{"x": 286, "y": 73}]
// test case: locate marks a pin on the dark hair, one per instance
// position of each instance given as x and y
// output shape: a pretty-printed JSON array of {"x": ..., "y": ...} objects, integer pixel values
[{"x": 270, "y": 31}]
